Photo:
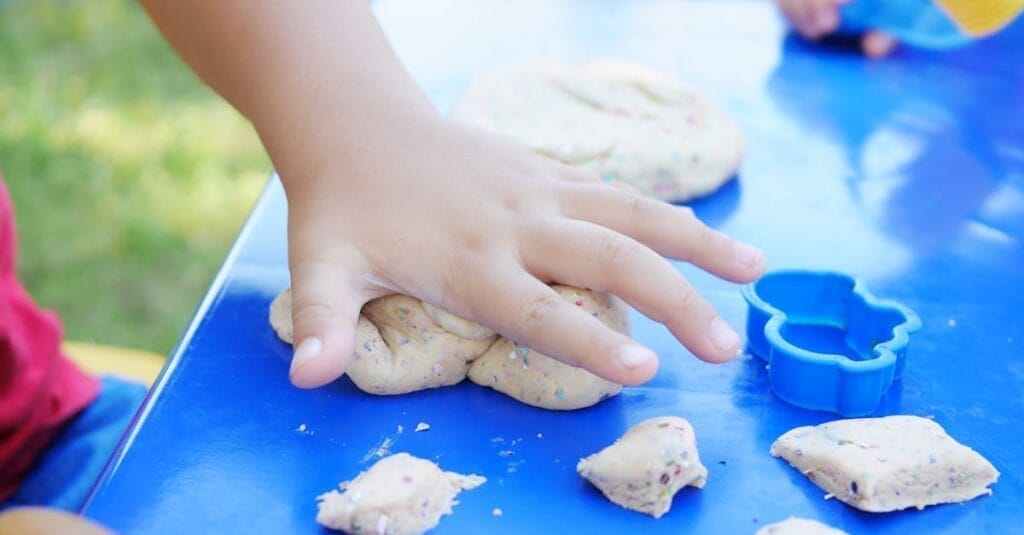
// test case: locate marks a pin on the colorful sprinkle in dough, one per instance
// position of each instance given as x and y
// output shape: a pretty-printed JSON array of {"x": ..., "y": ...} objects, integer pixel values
[
  {"x": 887, "y": 464},
  {"x": 799, "y": 526},
  {"x": 404, "y": 345},
  {"x": 645, "y": 468},
  {"x": 541, "y": 381},
  {"x": 400, "y": 494},
  {"x": 618, "y": 120}
]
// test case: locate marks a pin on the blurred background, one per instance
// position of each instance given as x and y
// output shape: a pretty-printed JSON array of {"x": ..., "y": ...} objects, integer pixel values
[{"x": 130, "y": 178}]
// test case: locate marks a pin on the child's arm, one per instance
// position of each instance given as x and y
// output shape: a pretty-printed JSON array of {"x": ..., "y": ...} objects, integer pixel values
[{"x": 385, "y": 196}]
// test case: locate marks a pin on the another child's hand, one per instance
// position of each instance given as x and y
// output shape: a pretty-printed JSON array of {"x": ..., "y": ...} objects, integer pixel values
[
  {"x": 814, "y": 19},
  {"x": 476, "y": 225}
]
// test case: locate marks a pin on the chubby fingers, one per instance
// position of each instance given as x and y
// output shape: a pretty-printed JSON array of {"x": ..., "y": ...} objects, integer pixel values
[
  {"x": 590, "y": 256},
  {"x": 530, "y": 313},
  {"x": 670, "y": 230}
]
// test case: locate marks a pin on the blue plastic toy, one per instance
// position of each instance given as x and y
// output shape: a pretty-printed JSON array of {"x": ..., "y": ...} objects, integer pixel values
[{"x": 830, "y": 344}]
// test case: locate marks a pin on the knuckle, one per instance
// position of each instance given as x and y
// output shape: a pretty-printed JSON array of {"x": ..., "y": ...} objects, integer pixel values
[
  {"x": 536, "y": 312},
  {"x": 600, "y": 339},
  {"x": 686, "y": 296},
  {"x": 613, "y": 248},
  {"x": 704, "y": 234},
  {"x": 636, "y": 205},
  {"x": 306, "y": 313}
]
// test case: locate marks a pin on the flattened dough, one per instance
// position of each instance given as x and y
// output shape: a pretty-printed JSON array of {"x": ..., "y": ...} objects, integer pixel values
[
  {"x": 799, "y": 526},
  {"x": 645, "y": 468},
  {"x": 404, "y": 345},
  {"x": 539, "y": 380},
  {"x": 618, "y": 120},
  {"x": 887, "y": 464},
  {"x": 399, "y": 494}
]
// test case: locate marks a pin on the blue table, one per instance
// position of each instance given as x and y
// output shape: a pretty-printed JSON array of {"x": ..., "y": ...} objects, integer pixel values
[{"x": 907, "y": 172}]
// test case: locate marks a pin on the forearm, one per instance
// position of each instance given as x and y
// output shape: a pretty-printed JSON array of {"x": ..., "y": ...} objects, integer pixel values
[{"x": 314, "y": 77}]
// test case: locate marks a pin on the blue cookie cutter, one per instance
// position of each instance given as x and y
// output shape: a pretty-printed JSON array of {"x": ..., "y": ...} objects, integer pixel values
[{"x": 830, "y": 344}]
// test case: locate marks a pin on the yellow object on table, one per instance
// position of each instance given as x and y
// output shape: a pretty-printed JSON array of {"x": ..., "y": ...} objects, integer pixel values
[
  {"x": 142, "y": 366},
  {"x": 979, "y": 18}
]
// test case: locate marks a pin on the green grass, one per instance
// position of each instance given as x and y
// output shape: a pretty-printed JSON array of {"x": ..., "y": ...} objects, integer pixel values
[{"x": 130, "y": 178}]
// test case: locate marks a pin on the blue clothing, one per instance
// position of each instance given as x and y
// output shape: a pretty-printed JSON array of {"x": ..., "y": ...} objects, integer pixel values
[{"x": 65, "y": 474}]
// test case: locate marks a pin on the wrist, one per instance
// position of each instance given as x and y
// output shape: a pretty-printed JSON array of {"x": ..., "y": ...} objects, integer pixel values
[{"x": 345, "y": 142}]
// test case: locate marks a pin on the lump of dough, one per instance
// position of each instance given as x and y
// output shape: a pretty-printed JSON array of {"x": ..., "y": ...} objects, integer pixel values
[
  {"x": 399, "y": 494},
  {"x": 404, "y": 345},
  {"x": 618, "y": 120},
  {"x": 887, "y": 464},
  {"x": 281, "y": 315},
  {"x": 541, "y": 381},
  {"x": 399, "y": 347},
  {"x": 456, "y": 325},
  {"x": 799, "y": 526},
  {"x": 645, "y": 468}
]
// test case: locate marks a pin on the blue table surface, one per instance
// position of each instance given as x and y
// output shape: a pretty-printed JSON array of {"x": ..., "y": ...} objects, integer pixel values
[{"x": 908, "y": 172}]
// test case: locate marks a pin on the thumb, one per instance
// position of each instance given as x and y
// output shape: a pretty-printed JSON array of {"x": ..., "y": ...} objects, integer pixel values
[{"x": 325, "y": 309}]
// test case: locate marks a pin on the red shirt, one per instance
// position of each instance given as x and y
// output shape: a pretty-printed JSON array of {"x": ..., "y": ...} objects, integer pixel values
[{"x": 40, "y": 390}]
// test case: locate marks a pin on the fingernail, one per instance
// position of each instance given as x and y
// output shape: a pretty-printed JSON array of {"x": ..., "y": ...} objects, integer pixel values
[
  {"x": 309, "y": 349},
  {"x": 722, "y": 336},
  {"x": 746, "y": 255},
  {"x": 634, "y": 356}
]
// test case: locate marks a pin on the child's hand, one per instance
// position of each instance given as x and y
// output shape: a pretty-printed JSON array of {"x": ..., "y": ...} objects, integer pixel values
[
  {"x": 814, "y": 19},
  {"x": 385, "y": 196},
  {"x": 475, "y": 225}
]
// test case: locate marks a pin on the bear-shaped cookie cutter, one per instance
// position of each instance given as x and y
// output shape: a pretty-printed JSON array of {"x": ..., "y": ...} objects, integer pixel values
[{"x": 830, "y": 344}]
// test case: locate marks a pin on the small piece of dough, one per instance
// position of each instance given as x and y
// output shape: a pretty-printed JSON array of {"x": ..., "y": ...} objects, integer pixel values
[
  {"x": 887, "y": 464},
  {"x": 541, "y": 381},
  {"x": 618, "y": 120},
  {"x": 799, "y": 526},
  {"x": 645, "y": 468},
  {"x": 399, "y": 494}
]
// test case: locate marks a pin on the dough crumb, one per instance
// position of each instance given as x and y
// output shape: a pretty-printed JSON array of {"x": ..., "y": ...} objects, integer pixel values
[
  {"x": 422, "y": 426},
  {"x": 799, "y": 526},
  {"x": 398, "y": 495},
  {"x": 887, "y": 464},
  {"x": 540, "y": 435},
  {"x": 645, "y": 468},
  {"x": 384, "y": 448},
  {"x": 496, "y": 512},
  {"x": 301, "y": 428}
]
